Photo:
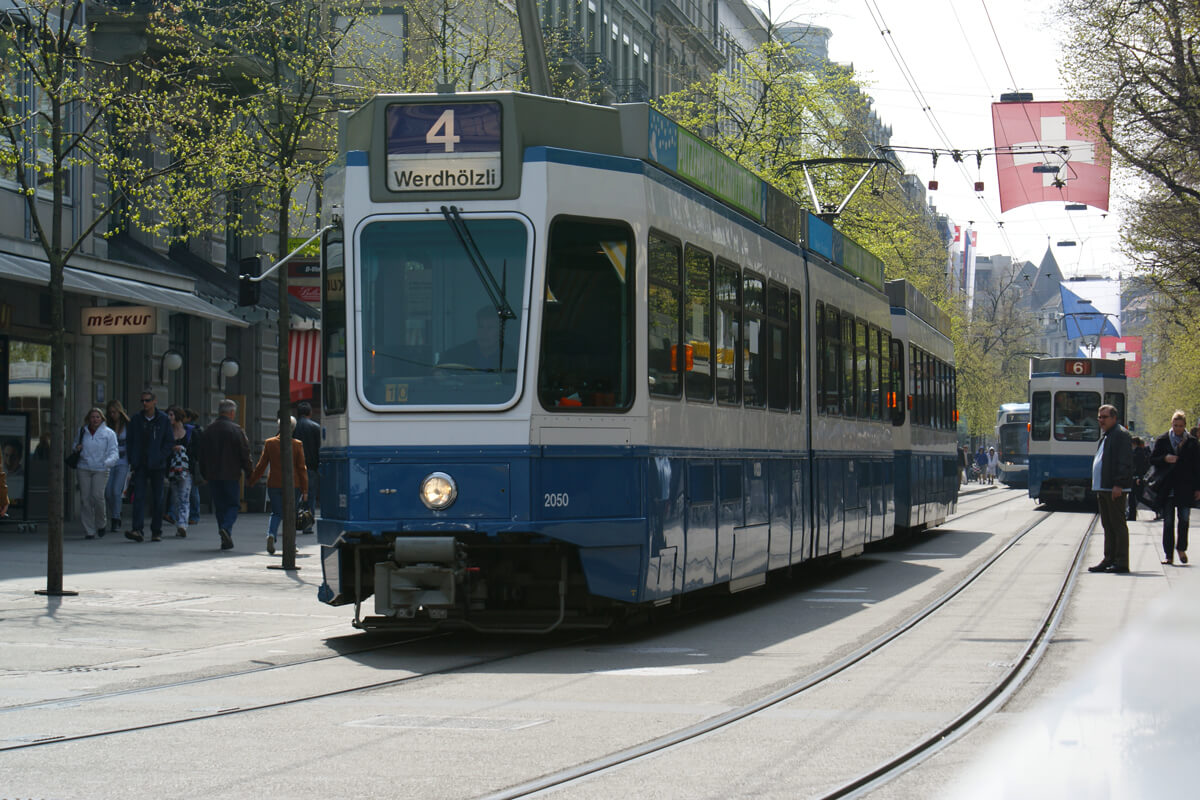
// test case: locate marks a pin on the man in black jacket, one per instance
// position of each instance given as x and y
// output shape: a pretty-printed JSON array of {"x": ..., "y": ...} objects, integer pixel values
[
  {"x": 148, "y": 445},
  {"x": 309, "y": 434},
  {"x": 1176, "y": 455},
  {"x": 224, "y": 458},
  {"x": 1112, "y": 476},
  {"x": 1141, "y": 465}
]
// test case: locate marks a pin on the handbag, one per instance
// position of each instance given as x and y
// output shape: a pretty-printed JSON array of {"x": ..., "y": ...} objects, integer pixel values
[
  {"x": 304, "y": 519},
  {"x": 72, "y": 459},
  {"x": 1153, "y": 493}
]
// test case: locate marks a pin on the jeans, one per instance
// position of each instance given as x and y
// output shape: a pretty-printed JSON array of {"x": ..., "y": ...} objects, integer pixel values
[
  {"x": 91, "y": 495},
  {"x": 276, "y": 497},
  {"x": 181, "y": 494},
  {"x": 194, "y": 504},
  {"x": 314, "y": 481},
  {"x": 1180, "y": 507},
  {"x": 226, "y": 497},
  {"x": 148, "y": 484},
  {"x": 114, "y": 490}
]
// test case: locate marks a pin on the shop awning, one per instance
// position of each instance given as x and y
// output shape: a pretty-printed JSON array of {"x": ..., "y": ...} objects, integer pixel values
[
  {"x": 78, "y": 281},
  {"x": 304, "y": 356}
]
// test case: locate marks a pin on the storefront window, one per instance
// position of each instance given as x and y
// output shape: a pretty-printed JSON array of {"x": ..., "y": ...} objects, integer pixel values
[{"x": 29, "y": 394}]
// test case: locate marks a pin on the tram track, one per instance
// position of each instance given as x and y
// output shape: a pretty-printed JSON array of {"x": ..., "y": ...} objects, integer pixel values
[
  {"x": 472, "y": 663},
  {"x": 1000, "y": 692}
]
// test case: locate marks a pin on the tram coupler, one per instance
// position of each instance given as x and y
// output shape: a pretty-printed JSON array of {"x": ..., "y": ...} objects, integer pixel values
[{"x": 422, "y": 575}]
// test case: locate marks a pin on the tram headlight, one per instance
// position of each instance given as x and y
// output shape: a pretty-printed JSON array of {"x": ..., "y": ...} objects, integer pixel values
[{"x": 438, "y": 491}]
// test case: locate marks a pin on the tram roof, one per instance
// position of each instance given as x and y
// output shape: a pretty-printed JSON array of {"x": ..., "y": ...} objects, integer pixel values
[
  {"x": 902, "y": 294},
  {"x": 634, "y": 130}
]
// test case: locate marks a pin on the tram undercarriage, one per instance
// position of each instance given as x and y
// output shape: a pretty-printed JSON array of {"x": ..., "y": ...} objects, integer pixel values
[{"x": 514, "y": 582}]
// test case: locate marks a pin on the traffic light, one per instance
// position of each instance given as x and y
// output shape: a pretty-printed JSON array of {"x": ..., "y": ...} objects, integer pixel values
[{"x": 248, "y": 289}]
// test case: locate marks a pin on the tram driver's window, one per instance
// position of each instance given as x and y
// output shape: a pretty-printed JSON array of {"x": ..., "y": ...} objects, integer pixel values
[
  {"x": 1075, "y": 416},
  {"x": 587, "y": 360}
]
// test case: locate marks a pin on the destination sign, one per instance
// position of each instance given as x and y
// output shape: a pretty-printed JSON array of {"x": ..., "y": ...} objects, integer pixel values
[{"x": 443, "y": 147}]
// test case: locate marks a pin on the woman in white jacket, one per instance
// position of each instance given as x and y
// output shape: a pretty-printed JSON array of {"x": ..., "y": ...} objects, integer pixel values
[
  {"x": 97, "y": 446},
  {"x": 992, "y": 465}
]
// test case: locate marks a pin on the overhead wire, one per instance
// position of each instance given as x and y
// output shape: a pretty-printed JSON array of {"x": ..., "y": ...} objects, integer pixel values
[{"x": 927, "y": 109}]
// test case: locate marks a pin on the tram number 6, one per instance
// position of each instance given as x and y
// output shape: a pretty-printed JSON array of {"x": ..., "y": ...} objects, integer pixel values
[
  {"x": 442, "y": 131},
  {"x": 556, "y": 500}
]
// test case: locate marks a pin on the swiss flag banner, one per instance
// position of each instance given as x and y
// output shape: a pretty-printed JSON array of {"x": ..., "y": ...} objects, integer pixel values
[{"x": 1079, "y": 176}]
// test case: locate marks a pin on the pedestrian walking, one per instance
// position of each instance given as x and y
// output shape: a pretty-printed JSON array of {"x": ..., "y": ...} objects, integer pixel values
[
  {"x": 271, "y": 462},
  {"x": 981, "y": 462},
  {"x": 224, "y": 459},
  {"x": 309, "y": 434},
  {"x": 1112, "y": 475},
  {"x": 3, "y": 491},
  {"x": 148, "y": 448},
  {"x": 118, "y": 475},
  {"x": 182, "y": 469},
  {"x": 1177, "y": 454},
  {"x": 1141, "y": 465},
  {"x": 993, "y": 464},
  {"x": 97, "y": 448},
  {"x": 193, "y": 420}
]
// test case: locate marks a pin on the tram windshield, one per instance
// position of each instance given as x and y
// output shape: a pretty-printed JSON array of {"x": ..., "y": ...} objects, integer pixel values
[
  {"x": 1075, "y": 416},
  {"x": 434, "y": 331},
  {"x": 1014, "y": 443}
]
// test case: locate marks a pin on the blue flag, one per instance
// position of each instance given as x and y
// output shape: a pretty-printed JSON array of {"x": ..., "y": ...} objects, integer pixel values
[{"x": 1083, "y": 319}]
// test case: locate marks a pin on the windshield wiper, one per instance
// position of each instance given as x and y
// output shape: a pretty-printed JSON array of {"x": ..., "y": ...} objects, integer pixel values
[{"x": 490, "y": 285}]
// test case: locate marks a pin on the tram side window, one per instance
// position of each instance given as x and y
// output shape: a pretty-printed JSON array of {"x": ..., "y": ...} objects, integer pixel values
[
  {"x": 663, "y": 316},
  {"x": 884, "y": 374},
  {"x": 728, "y": 343},
  {"x": 778, "y": 373},
  {"x": 588, "y": 321},
  {"x": 799, "y": 363},
  {"x": 862, "y": 369},
  {"x": 874, "y": 382},
  {"x": 697, "y": 325},
  {"x": 897, "y": 394},
  {"x": 831, "y": 360},
  {"x": 754, "y": 303},
  {"x": 1039, "y": 416},
  {"x": 1117, "y": 401},
  {"x": 847, "y": 388},
  {"x": 1075, "y": 416},
  {"x": 914, "y": 378},
  {"x": 333, "y": 328}
]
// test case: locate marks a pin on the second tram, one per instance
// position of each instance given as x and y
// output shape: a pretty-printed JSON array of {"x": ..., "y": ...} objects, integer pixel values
[{"x": 1064, "y": 396}]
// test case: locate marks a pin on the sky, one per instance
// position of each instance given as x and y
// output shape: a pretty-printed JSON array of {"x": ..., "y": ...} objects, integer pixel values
[{"x": 961, "y": 63}]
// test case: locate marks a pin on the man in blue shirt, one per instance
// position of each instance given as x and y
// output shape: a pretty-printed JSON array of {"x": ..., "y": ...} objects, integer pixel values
[{"x": 1112, "y": 476}]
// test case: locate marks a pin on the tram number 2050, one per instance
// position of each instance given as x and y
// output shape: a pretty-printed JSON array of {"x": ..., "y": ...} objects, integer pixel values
[{"x": 556, "y": 500}]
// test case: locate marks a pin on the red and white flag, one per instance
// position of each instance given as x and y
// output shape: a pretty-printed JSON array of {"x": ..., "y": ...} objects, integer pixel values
[{"x": 1080, "y": 175}]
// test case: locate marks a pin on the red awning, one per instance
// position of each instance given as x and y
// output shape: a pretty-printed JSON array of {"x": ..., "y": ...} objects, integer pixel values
[
  {"x": 304, "y": 356},
  {"x": 299, "y": 390}
]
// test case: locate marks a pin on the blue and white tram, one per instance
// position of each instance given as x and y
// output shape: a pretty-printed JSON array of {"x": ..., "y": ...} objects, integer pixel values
[
  {"x": 1064, "y": 396},
  {"x": 576, "y": 363},
  {"x": 925, "y": 420},
  {"x": 1012, "y": 444}
]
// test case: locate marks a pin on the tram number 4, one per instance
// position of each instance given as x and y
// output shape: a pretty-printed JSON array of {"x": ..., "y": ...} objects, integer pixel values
[
  {"x": 442, "y": 131},
  {"x": 556, "y": 500}
]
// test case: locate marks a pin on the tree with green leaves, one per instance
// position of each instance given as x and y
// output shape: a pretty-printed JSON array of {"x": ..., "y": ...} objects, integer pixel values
[
  {"x": 266, "y": 73},
  {"x": 1139, "y": 59},
  {"x": 69, "y": 107}
]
